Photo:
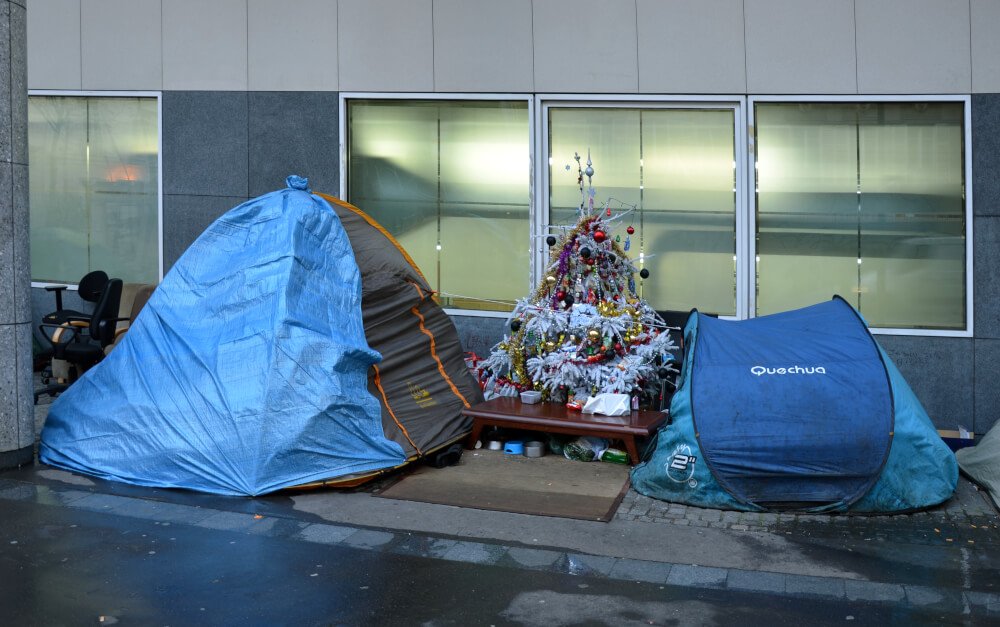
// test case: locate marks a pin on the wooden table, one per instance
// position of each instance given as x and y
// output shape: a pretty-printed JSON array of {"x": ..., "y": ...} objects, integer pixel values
[{"x": 556, "y": 418}]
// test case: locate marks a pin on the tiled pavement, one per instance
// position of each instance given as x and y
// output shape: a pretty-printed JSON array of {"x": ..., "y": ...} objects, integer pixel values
[{"x": 968, "y": 517}]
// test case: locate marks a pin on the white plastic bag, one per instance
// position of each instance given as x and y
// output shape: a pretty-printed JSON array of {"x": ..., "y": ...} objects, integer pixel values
[{"x": 608, "y": 404}]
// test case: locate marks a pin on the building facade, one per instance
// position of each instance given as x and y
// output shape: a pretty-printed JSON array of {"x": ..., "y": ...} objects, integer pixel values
[{"x": 768, "y": 153}]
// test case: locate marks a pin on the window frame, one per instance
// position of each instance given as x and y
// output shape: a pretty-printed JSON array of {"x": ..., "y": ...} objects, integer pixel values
[
  {"x": 966, "y": 100},
  {"x": 71, "y": 93},
  {"x": 344, "y": 141},
  {"x": 737, "y": 104}
]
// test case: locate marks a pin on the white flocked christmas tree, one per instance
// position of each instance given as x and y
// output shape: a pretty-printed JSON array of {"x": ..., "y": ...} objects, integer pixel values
[{"x": 584, "y": 331}]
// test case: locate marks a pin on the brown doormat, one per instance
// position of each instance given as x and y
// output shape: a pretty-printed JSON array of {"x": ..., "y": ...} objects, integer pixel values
[{"x": 543, "y": 486}]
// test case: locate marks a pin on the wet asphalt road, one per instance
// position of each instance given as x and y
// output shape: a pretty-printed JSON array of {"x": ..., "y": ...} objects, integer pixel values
[{"x": 62, "y": 566}]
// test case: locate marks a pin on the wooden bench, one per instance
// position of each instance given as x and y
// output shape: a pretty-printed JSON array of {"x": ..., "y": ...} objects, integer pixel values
[{"x": 556, "y": 418}]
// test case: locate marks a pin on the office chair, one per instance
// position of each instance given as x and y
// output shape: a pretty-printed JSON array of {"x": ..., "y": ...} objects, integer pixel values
[
  {"x": 89, "y": 289},
  {"x": 81, "y": 341}
]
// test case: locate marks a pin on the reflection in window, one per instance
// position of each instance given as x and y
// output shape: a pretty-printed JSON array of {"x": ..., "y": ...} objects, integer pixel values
[
  {"x": 93, "y": 189},
  {"x": 677, "y": 166},
  {"x": 450, "y": 181},
  {"x": 865, "y": 200}
]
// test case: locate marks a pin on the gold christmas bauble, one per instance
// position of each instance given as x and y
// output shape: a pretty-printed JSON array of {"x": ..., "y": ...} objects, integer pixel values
[
  {"x": 594, "y": 334},
  {"x": 550, "y": 345},
  {"x": 551, "y": 280}
]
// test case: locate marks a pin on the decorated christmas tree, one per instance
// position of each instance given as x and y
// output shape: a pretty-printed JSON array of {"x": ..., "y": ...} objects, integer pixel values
[{"x": 584, "y": 331}]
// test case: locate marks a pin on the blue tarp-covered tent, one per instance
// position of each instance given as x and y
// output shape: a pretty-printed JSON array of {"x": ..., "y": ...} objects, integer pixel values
[
  {"x": 801, "y": 409},
  {"x": 252, "y": 368}
]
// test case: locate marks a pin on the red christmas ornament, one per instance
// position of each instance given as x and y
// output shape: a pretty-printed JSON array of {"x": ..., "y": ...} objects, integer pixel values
[
  {"x": 599, "y": 236},
  {"x": 560, "y": 295},
  {"x": 630, "y": 230}
]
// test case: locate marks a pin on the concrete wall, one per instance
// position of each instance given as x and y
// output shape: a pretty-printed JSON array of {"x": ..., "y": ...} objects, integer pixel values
[
  {"x": 17, "y": 418},
  {"x": 588, "y": 46},
  {"x": 261, "y": 78}
]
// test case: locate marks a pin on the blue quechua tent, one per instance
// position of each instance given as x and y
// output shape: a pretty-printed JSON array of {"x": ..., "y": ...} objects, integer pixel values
[{"x": 798, "y": 410}]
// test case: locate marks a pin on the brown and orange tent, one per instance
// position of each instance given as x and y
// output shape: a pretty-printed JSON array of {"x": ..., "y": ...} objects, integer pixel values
[{"x": 290, "y": 346}]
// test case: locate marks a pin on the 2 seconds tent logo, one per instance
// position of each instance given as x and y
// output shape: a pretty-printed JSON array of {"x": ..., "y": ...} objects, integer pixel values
[
  {"x": 761, "y": 370},
  {"x": 680, "y": 466}
]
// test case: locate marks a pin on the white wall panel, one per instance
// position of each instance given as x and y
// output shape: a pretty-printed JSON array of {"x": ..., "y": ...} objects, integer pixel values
[
  {"x": 292, "y": 50},
  {"x": 205, "y": 45},
  {"x": 386, "y": 45},
  {"x": 985, "y": 46},
  {"x": 54, "y": 44},
  {"x": 800, "y": 47},
  {"x": 121, "y": 44},
  {"x": 585, "y": 46},
  {"x": 483, "y": 45},
  {"x": 913, "y": 47},
  {"x": 691, "y": 47}
]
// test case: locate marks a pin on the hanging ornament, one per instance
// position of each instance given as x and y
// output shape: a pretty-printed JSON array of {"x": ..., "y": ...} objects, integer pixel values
[
  {"x": 560, "y": 295},
  {"x": 551, "y": 280},
  {"x": 568, "y": 299},
  {"x": 594, "y": 334},
  {"x": 618, "y": 238},
  {"x": 551, "y": 240},
  {"x": 644, "y": 273},
  {"x": 599, "y": 236},
  {"x": 630, "y": 230},
  {"x": 609, "y": 354},
  {"x": 550, "y": 345},
  {"x": 607, "y": 211},
  {"x": 515, "y": 325},
  {"x": 628, "y": 242},
  {"x": 585, "y": 252}
]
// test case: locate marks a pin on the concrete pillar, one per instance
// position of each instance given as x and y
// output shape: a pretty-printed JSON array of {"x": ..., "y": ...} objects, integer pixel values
[{"x": 17, "y": 419}]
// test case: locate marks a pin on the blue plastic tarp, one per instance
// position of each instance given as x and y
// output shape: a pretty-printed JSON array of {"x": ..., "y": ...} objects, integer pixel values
[{"x": 246, "y": 372}]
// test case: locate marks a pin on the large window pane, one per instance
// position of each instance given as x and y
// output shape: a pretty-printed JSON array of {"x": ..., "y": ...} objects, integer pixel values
[
  {"x": 865, "y": 200},
  {"x": 450, "y": 180},
  {"x": 677, "y": 166},
  {"x": 94, "y": 187}
]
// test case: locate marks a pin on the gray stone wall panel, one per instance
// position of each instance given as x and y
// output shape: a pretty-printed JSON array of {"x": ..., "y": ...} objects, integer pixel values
[
  {"x": 986, "y": 278},
  {"x": 5, "y": 84},
  {"x": 986, "y": 389},
  {"x": 205, "y": 148},
  {"x": 479, "y": 334},
  {"x": 22, "y": 243},
  {"x": 7, "y": 283},
  {"x": 986, "y": 154},
  {"x": 19, "y": 83},
  {"x": 185, "y": 217},
  {"x": 940, "y": 371},
  {"x": 293, "y": 132}
]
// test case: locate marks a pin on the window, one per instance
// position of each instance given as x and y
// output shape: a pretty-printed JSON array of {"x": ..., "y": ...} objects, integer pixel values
[
  {"x": 94, "y": 187},
  {"x": 450, "y": 180},
  {"x": 865, "y": 197},
  {"x": 866, "y": 200},
  {"x": 677, "y": 167}
]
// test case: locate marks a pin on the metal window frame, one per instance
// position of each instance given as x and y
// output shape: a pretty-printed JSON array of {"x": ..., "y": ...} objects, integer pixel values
[
  {"x": 738, "y": 106},
  {"x": 77, "y": 93},
  {"x": 966, "y": 100},
  {"x": 344, "y": 140}
]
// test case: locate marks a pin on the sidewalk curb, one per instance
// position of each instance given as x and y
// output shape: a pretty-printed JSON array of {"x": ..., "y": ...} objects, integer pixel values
[{"x": 952, "y": 600}]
